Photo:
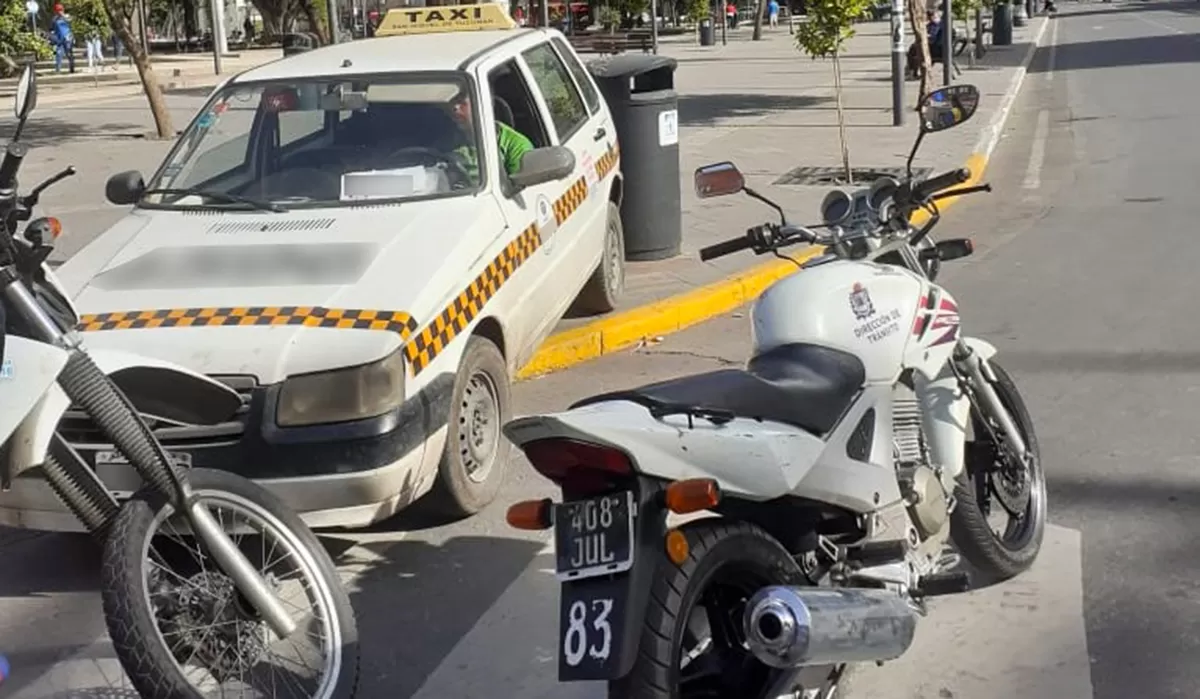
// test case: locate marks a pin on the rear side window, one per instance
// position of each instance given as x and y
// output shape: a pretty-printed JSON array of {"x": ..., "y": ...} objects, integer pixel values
[
  {"x": 554, "y": 82},
  {"x": 581, "y": 75}
]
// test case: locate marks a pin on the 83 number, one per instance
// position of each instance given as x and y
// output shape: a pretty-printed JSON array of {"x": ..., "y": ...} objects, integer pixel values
[{"x": 576, "y": 641}]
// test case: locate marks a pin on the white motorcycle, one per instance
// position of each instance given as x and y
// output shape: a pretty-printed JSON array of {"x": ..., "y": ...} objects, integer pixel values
[
  {"x": 198, "y": 564},
  {"x": 865, "y": 433}
]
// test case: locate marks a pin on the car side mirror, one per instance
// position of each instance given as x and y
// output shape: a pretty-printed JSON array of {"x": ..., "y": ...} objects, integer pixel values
[
  {"x": 125, "y": 188},
  {"x": 542, "y": 165}
]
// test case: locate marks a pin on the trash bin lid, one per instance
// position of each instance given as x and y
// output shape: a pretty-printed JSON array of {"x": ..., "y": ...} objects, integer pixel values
[{"x": 627, "y": 65}]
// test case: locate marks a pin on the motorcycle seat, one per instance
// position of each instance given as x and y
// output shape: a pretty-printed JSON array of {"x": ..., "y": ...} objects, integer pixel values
[{"x": 803, "y": 385}]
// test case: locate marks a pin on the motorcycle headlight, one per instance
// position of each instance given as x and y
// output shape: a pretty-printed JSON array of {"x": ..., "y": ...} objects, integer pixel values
[{"x": 342, "y": 395}]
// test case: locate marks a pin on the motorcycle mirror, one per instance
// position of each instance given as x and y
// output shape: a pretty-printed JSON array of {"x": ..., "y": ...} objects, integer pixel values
[
  {"x": 718, "y": 180},
  {"x": 948, "y": 107},
  {"x": 25, "y": 98}
]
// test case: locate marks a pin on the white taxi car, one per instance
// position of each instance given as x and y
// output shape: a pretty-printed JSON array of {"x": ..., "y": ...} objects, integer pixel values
[{"x": 330, "y": 240}]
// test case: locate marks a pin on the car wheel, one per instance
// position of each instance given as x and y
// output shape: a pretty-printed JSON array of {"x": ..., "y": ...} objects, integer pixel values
[
  {"x": 475, "y": 457},
  {"x": 607, "y": 283}
]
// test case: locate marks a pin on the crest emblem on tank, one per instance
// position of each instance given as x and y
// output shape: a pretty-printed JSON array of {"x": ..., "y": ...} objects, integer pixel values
[{"x": 860, "y": 302}]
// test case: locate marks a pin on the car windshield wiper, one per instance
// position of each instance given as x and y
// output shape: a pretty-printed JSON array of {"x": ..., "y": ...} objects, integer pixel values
[{"x": 223, "y": 196}]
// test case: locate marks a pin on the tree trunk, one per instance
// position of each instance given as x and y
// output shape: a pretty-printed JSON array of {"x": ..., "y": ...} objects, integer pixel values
[
  {"x": 758, "y": 20},
  {"x": 916, "y": 18},
  {"x": 841, "y": 116},
  {"x": 121, "y": 24},
  {"x": 320, "y": 30}
]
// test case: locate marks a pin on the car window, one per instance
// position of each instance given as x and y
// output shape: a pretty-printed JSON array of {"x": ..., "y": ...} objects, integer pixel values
[
  {"x": 325, "y": 142},
  {"x": 581, "y": 76},
  {"x": 513, "y": 103},
  {"x": 557, "y": 88}
]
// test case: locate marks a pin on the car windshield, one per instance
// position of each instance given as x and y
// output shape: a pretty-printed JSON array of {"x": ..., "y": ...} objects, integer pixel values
[{"x": 325, "y": 142}]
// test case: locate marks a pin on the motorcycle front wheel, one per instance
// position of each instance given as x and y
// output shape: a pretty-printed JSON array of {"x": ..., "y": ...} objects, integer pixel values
[
  {"x": 692, "y": 643},
  {"x": 179, "y": 625}
]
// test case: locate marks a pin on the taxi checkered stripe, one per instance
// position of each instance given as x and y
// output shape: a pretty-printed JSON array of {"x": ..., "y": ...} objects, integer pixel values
[
  {"x": 458, "y": 315},
  {"x": 570, "y": 200},
  {"x": 308, "y": 316},
  {"x": 607, "y": 162}
]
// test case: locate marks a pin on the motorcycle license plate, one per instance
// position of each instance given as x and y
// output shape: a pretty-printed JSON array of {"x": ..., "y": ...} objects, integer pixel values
[
  {"x": 594, "y": 537},
  {"x": 590, "y": 633}
]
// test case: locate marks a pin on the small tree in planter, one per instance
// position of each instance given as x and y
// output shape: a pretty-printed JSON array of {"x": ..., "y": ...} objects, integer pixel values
[
  {"x": 608, "y": 17},
  {"x": 830, "y": 25}
]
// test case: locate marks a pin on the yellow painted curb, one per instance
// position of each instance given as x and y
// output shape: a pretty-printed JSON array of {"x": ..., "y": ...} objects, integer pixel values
[{"x": 674, "y": 313}]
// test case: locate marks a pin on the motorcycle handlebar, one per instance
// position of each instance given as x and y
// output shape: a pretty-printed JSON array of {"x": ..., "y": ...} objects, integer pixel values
[
  {"x": 13, "y": 155},
  {"x": 725, "y": 247},
  {"x": 927, "y": 188}
]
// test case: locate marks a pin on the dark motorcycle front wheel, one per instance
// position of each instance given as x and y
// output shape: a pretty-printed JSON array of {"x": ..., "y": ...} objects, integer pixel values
[
  {"x": 182, "y": 630},
  {"x": 692, "y": 643}
]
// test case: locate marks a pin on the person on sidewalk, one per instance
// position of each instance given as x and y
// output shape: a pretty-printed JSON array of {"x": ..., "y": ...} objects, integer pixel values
[
  {"x": 731, "y": 15},
  {"x": 63, "y": 39},
  {"x": 95, "y": 52},
  {"x": 773, "y": 13}
]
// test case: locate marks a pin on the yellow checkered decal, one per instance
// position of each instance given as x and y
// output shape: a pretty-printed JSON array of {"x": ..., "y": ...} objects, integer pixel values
[
  {"x": 307, "y": 316},
  {"x": 607, "y": 162},
  {"x": 570, "y": 200},
  {"x": 458, "y": 315}
]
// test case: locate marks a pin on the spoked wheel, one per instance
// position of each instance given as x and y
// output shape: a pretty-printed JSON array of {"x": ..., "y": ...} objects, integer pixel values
[
  {"x": 1000, "y": 519},
  {"x": 179, "y": 625},
  {"x": 693, "y": 645}
]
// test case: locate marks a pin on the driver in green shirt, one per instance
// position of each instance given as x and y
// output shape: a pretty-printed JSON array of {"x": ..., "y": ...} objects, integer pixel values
[{"x": 512, "y": 143}]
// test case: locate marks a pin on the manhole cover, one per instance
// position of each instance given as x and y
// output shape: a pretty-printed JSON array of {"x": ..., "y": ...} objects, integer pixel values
[{"x": 836, "y": 176}]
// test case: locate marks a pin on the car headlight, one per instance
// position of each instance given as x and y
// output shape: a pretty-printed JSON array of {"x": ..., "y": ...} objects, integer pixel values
[{"x": 342, "y": 395}]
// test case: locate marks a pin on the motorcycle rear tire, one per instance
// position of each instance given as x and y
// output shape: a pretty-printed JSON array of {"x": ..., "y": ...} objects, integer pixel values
[
  {"x": 132, "y": 625},
  {"x": 715, "y": 544},
  {"x": 969, "y": 527}
]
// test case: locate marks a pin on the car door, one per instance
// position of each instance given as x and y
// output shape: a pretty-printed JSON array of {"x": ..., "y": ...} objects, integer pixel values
[
  {"x": 601, "y": 158},
  {"x": 578, "y": 240},
  {"x": 532, "y": 312}
]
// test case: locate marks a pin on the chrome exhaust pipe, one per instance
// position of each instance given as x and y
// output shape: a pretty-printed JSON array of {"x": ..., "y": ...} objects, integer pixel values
[{"x": 797, "y": 626}]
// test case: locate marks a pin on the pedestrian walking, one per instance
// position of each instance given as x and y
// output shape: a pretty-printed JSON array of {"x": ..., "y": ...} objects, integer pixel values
[
  {"x": 731, "y": 15},
  {"x": 63, "y": 39},
  {"x": 95, "y": 52},
  {"x": 773, "y": 13}
]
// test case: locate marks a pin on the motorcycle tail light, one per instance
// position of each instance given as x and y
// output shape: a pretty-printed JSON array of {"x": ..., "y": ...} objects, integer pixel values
[
  {"x": 692, "y": 495},
  {"x": 531, "y": 515},
  {"x": 579, "y": 464}
]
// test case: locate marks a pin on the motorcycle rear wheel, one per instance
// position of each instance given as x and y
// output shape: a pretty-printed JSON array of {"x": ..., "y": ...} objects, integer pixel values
[
  {"x": 729, "y": 561},
  {"x": 151, "y": 622}
]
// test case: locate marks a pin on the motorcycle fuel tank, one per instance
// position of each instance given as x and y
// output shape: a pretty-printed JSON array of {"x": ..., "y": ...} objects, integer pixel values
[{"x": 863, "y": 308}]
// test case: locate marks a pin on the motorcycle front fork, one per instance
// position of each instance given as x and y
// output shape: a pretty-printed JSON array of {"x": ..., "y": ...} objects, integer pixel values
[{"x": 982, "y": 382}]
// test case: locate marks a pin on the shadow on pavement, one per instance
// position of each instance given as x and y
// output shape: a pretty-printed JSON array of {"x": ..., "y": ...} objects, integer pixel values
[
  {"x": 1181, "y": 7},
  {"x": 417, "y": 600},
  {"x": 705, "y": 110},
  {"x": 1135, "y": 51},
  {"x": 1099, "y": 362},
  {"x": 48, "y": 564},
  {"x": 46, "y": 130}
]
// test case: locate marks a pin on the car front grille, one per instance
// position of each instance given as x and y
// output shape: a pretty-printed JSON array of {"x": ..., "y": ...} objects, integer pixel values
[{"x": 79, "y": 430}]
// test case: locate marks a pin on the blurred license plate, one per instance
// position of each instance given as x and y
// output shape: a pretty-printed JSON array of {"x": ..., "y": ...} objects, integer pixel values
[{"x": 594, "y": 537}]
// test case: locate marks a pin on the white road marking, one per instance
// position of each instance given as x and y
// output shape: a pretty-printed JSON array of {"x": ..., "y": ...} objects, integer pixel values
[
  {"x": 1021, "y": 638},
  {"x": 1049, "y": 74},
  {"x": 1037, "y": 156},
  {"x": 990, "y": 136},
  {"x": 1160, "y": 25}
]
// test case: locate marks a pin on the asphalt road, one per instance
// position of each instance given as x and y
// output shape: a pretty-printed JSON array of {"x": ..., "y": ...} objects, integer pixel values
[{"x": 1084, "y": 279}]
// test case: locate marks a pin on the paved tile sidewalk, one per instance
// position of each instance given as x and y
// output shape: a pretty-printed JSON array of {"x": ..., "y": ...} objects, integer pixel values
[{"x": 769, "y": 109}]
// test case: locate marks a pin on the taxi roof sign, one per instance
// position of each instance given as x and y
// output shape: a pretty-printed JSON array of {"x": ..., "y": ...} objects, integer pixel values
[{"x": 445, "y": 18}]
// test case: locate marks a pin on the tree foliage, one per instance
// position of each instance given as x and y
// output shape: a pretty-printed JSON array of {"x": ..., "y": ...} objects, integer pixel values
[
  {"x": 88, "y": 19},
  {"x": 16, "y": 41},
  {"x": 829, "y": 26}
]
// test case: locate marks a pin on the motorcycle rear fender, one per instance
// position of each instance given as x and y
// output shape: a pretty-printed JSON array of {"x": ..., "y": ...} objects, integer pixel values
[
  {"x": 153, "y": 387},
  {"x": 946, "y": 412},
  {"x": 650, "y": 530}
]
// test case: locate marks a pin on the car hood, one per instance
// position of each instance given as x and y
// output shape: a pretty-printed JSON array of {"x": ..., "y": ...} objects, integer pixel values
[{"x": 270, "y": 295}]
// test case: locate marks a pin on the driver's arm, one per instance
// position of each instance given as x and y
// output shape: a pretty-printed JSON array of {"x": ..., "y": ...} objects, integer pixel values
[{"x": 513, "y": 145}]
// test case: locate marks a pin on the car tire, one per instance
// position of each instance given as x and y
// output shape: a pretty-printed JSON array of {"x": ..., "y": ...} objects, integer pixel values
[
  {"x": 475, "y": 458},
  {"x": 604, "y": 288}
]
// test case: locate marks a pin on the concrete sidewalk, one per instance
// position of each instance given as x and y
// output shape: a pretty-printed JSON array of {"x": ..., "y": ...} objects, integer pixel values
[{"x": 771, "y": 109}]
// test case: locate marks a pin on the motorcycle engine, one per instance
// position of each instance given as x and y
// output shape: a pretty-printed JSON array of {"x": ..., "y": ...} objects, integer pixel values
[{"x": 919, "y": 482}]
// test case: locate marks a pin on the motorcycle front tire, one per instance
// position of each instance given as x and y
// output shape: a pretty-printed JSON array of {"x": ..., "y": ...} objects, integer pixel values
[{"x": 136, "y": 637}]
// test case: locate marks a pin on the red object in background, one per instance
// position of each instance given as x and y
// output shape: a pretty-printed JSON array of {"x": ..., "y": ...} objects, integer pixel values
[
  {"x": 373, "y": 15},
  {"x": 280, "y": 100},
  {"x": 58, "y": 9}
]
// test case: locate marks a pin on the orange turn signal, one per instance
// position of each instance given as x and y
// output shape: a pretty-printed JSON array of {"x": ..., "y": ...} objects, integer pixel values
[
  {"x": 677, "y": 547},
  {"x": 55, "y": 226},
  {"x": 532, "y": 515},
  {"x": 693, "y": 495}
]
